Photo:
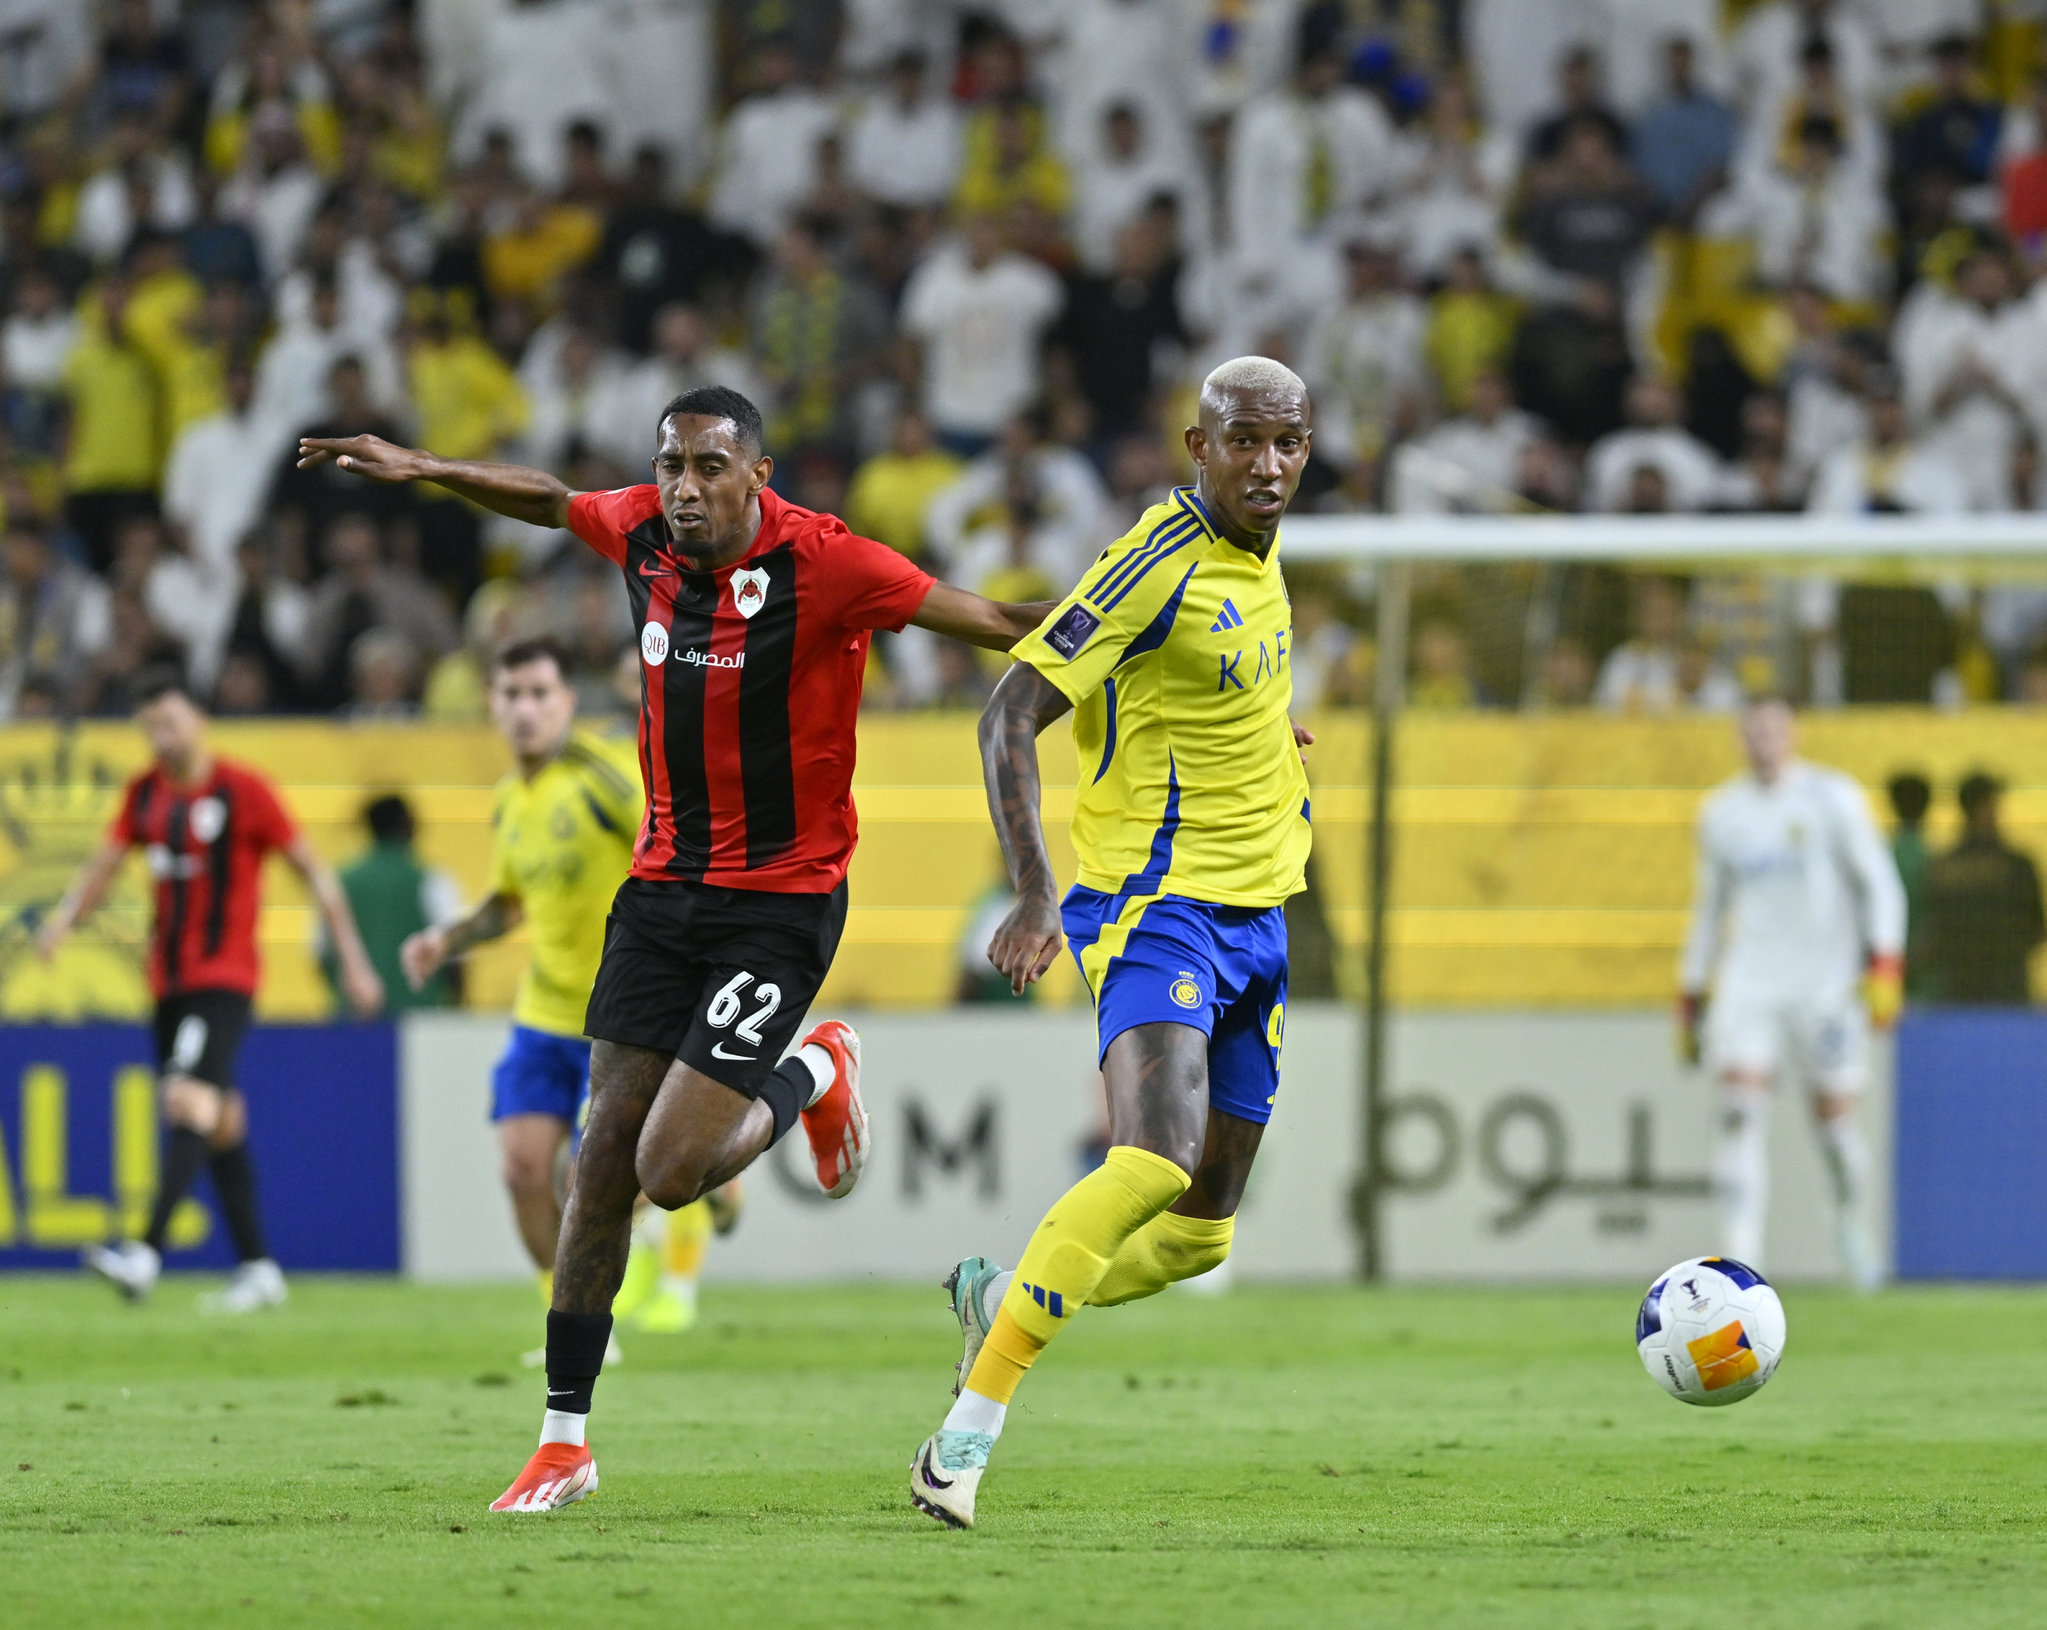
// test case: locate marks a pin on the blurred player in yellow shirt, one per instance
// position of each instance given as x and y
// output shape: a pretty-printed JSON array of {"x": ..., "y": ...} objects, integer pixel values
[{"x": 563, "y": 823}]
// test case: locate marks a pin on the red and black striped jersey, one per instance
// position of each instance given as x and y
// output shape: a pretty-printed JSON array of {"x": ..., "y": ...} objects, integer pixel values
[
  {"x": 205, "y": 846},
  {"x": 750, "y": 688}
]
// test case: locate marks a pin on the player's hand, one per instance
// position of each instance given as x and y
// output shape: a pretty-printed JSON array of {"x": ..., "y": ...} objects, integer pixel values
[
  {"x": 1884, "y": 990},
  {"x": 1303, "y": 737},
  {"x": 1028, "y": 942},
  {"x": 422, "y": 955},
  {"x": 1691, "y": 1008},
  {"x": 369, "y": 456},
  {"x": 362, "y": 987},
  {"x": 50, "y": 936}
]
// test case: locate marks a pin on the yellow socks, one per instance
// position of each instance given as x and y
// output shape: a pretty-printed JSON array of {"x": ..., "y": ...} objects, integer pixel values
[
  {"x": 1067, "y": 1257},
  {"x": 684, "y": 1241},
  {"x": 1164, "y": 1251}
]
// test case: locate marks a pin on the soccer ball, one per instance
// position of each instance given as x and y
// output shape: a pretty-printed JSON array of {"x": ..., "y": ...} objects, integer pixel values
[{"x": 1711, "y": 1331}]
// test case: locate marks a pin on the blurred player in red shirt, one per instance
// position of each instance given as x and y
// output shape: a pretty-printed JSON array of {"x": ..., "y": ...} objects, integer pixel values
[
  {"x": 754, "y": 618},
  {"x": 205, "y": 824}
]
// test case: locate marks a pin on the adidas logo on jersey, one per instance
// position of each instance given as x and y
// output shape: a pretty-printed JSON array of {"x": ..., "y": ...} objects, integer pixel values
[{"x": 1230, "y": 618}]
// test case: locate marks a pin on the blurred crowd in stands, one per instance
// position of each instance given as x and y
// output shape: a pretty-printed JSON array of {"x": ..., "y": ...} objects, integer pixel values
[{"x": 1628, "y": 256}]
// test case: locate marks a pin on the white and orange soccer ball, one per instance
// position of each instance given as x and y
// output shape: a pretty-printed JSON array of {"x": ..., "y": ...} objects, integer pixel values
[{"x": 1711, "y": 1331}]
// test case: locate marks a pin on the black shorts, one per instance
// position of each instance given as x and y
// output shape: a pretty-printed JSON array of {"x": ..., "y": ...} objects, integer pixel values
[
  {"x": 719, "y": 978},
  {"x": 199, "y": 1032}
]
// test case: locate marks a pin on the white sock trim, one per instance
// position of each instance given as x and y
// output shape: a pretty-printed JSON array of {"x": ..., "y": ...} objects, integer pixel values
[
  {"x": 559, "y": 1426},
  {"x": 991, "y": 1298},
  {"x": 974, "y": 1413},
  {"x": 818, "y": 1060}
]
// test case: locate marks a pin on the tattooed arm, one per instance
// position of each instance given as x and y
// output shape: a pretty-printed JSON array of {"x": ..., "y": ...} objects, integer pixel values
[
  {"x": 423, "y": 953},
  {"x": 1030, "y": 937}
]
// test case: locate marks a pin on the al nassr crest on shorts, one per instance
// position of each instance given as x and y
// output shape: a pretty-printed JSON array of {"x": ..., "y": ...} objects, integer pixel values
[{"x": 749, "y": 591}]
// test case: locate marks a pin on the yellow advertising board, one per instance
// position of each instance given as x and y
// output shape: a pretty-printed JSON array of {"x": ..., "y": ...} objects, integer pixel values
[{"x": 1539, "y": 860}]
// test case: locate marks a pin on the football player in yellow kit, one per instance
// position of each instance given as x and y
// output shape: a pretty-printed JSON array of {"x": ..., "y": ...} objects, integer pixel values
[
  {"x": 563, "y": 825},
  {"x": 1191, "y": 828}
]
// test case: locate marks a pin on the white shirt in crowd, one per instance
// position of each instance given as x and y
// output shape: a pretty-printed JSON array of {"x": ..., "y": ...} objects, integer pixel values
[
  {"x": 1691, "y": 472},
  {"x": 1940, "y": 338},
  {"x": 1831, "y": 233},
  {"x": 1795, "y": 888},
  {"x": 908, "y": 156},
  {"x": 1072, "y": 502},
  {"x": 291, "y": 374},
  {"x": 1280, "y": 146},
  {"x": 1144, "y": 52},
  {"x": 980, "y": 329},
  {"x": 626, "y": 409},
  {"x": 1638, "y": 677},
  {"x": 1110, "y": 192},
  {"x": 1514, "y": 47},
  {"x": 216, "y": 479},
  {"x": 33, "y": 350},
  {"x": 1920, "y": 481},
  {"x": 276, "y": 208},
  {"x": 106, "y": 217},
  {"x": 1466, "y": 463},
  {"x": 1766, "y": 51},
  {"x": 537, "y": 72},
  {"x": 767, "y": 163},
  {"x": 1362, "y": 360}
]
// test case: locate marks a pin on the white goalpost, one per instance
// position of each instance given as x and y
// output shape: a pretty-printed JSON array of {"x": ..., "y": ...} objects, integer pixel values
[{"x": 1887, "y": 548}]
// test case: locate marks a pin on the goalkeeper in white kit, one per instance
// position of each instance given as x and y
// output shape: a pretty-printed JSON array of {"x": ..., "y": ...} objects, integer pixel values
[{"x": 1798, "y": 931}]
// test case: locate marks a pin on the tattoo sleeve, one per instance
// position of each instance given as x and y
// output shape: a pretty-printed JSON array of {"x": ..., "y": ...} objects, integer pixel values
[
  {"x": 496, "y": 916},
  {"x": 1023, "y": 704}
]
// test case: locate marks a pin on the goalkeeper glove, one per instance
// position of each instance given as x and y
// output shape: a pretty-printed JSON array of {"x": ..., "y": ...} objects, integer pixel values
[
  {"x": 1691, "y": 1009},
  {"x": 1883, "y": 989}
]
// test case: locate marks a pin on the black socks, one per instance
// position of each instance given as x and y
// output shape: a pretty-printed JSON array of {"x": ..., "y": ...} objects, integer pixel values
[
  {"x": 234, "y": 1180},
  {"x": 184, "y": 1152},
  {"x": 575, "y": 1354},
  {"x": 786, "y": 1092}
]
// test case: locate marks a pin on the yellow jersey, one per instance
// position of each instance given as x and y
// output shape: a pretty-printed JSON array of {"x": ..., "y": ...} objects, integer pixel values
[
  {"x": 563, "y": 844},
  {"x": 1175, "y": 650}
]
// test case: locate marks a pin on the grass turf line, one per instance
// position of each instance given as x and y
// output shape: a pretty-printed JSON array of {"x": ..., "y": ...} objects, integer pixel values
[{"x": 1396, "y": 1457}]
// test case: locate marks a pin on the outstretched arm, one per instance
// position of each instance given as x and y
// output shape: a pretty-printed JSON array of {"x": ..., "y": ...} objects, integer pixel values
[
  {"x": 359, "y": 981},
  {"x": 995, "y": 625},
  {"x": 1030, "y": 936},
  {"x": 532, "y": 496}
]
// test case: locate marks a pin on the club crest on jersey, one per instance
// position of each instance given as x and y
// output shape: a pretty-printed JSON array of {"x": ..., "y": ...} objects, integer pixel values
[
  {"x": 209, "y": 819},
  {"x": 1184, "y": 990},
  {"x": 749, "y": 591},
  {"x": 654, "y": 645}
]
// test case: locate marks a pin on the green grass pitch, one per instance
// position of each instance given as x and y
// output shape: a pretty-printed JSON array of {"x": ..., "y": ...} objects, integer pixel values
[{"x": 1408, "y": 1458}]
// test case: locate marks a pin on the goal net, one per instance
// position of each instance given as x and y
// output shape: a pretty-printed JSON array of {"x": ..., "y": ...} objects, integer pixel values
[{"x": 1520, "y": 718}]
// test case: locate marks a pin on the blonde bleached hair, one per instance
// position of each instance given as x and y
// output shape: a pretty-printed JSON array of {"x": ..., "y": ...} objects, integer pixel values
[{"x": 1251, "y": 375}]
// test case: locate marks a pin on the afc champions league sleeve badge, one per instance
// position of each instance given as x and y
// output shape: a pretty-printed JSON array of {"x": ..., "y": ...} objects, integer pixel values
[
  {"x": 749, "y": 591},
  {"x": 654, "y": 645}
]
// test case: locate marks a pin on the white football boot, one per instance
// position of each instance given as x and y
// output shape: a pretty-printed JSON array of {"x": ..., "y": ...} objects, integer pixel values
[
  {"x": 252, "y": 1286},
  {"x": 128, "y": 1265},
  {"x": 945, "y": 1472},
  {"x": 968, "y": 1284}
]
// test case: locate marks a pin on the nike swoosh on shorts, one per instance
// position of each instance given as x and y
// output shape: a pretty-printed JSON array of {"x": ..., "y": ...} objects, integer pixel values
[{"x": 718, "y": 1051}]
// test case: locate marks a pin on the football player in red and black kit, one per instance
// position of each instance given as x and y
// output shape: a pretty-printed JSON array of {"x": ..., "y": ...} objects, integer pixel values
[
  {"x": 205, "y": 824},
  {"x": 754, "y": 619}
]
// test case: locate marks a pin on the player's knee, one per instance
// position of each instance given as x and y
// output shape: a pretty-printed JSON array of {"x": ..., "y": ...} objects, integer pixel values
[
  {"x": 528, "y": 1171},
  {"x": 669, "y": 1181},
  {"x": 192, "y": 1104}
]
